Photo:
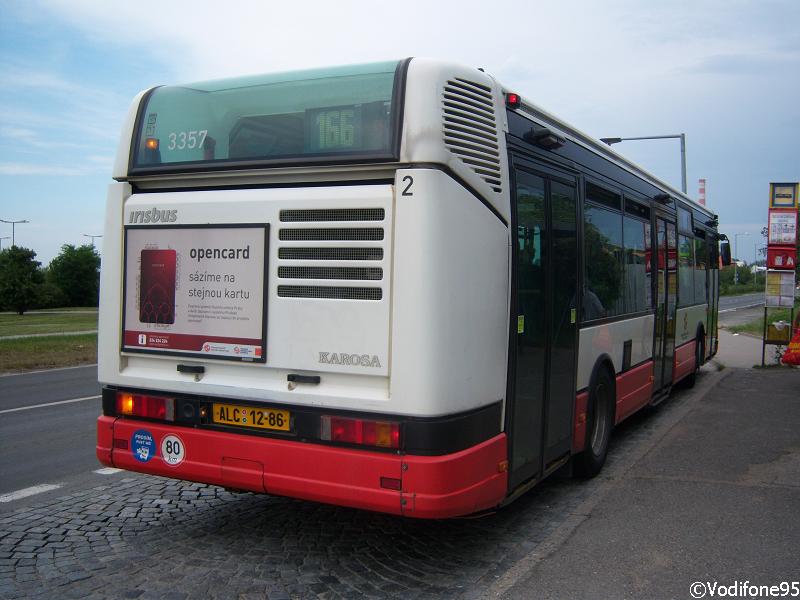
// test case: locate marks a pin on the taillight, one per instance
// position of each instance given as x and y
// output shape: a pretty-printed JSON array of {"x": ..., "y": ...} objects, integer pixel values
[
  {"x": 383, "y": 434},
  {"x": 144, "y": 405}
]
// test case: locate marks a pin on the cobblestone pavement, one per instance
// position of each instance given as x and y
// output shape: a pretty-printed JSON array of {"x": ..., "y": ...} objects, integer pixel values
[{"x": 148, "y": 537}]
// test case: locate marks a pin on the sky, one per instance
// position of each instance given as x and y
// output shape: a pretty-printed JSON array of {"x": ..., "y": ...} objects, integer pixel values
[{"x": 725, "y": 73}]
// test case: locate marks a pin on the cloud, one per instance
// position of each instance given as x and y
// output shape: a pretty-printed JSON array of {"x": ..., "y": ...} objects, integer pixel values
[
  {"x": 34, "y": 139},
  {"x": 739, "y": 64},
  {"x": 17, "y": 133},
  {"x": 18, "y": 77},
  {"x": 50, "y": 170},
  {"x": 12, "y": 168},
  {"x": 78, "y": 109}
]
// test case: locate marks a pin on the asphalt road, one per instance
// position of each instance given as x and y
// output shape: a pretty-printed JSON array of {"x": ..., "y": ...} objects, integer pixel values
[
  {"x": 45, "y": 438},
  {"x": 745, "y": 300},
  {"x": 738, "y": 310}
]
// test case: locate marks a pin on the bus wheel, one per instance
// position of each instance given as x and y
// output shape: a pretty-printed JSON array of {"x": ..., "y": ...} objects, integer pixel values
[{"x": 601, "y": 421}]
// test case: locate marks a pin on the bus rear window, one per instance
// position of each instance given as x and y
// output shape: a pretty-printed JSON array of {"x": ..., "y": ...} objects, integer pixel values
[{"x": 325, "y": 115}]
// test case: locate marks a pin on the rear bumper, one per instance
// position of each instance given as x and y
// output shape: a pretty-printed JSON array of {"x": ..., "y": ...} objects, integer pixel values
[{"x": 430, "y": 486}]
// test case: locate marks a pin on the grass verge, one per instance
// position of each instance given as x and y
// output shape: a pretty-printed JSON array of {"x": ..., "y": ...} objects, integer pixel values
[
  {"x": 756, "y": 326},
  {"x": 46, "y": 322},
  {"x": 28, "y": 354},
  {"x": 741, "y": 289}
]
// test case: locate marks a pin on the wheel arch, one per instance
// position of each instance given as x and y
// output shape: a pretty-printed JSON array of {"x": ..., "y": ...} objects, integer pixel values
[
  {"x": 700, "y": 336},
  {"x": 604, "y": 361}
]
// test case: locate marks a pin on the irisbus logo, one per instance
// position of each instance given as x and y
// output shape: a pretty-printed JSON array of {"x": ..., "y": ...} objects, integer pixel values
[
  {"x": 353, "y": 360},
  {"x": 154, "y": 215}
]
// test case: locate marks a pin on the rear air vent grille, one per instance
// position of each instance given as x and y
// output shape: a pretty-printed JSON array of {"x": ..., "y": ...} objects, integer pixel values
[
  {"x": 344, "y": 273},
  {"x": 470, "y": 128},
  {"x": 353, "y": 253},
  {"x": 332, "y": 214},
  {"x": 335, "y": 235},
  {"x": 331, "y": 253},
  {"x": 336, "y": 293}
]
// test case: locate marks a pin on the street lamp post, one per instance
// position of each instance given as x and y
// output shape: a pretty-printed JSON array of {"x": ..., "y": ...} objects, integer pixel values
[
  {"x": 756, "y": 249},
  {"x": 13, "y": 225},
  {"x": 89, "y": 235},
  {"x": 680, "y": 136},
  {"x": 736, "y": 252},
  {"x": 1, "y": 241}
]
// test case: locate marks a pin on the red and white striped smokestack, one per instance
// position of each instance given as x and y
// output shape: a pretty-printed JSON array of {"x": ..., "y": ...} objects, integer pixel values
[{"x": 701, "y": 192}]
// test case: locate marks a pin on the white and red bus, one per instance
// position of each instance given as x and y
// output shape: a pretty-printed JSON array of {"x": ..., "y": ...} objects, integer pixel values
[{"x": 399, "y": 287}]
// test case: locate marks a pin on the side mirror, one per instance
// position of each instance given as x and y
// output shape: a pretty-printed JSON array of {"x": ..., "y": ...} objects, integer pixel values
[{"x": 725, "y": 253}]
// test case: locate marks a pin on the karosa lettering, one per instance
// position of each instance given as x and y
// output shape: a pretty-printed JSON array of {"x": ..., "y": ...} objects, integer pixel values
[{"x": 354, "y": 360}]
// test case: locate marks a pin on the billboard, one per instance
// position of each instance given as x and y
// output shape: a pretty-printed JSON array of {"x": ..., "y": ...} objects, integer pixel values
[{"x": 196, "y": 291}]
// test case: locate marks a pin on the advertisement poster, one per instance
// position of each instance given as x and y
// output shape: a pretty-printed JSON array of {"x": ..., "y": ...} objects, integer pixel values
[
  {"x": 196, "y": 291},
  {"x": 780, "y": 288},
  {"x": 783, "y": 227}
]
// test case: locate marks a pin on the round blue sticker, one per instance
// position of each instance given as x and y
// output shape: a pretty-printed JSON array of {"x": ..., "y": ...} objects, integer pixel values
[{"x": 143, "y": 445}]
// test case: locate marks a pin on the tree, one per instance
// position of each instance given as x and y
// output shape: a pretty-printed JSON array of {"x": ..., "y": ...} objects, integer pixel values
[
  {"x": 76, "y": 272},
  {"x": 20, "y": 278},
  {"x": 50, "y": 295}
]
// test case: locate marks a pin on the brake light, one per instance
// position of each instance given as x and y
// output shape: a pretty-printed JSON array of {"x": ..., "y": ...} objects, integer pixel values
[
  {"x": 382, "y": 434},
  {"x": 144, "y": 405},
  {"x": 513, "y": 100}
]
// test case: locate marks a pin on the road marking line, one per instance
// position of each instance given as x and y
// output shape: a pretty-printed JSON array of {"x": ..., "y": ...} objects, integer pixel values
[
  {"x": 48, "y": 370},
  {"x": 31, "y": 491},
  {"x": 741, "y": 307},
  {"x": 107, "y": 471},
  {"x": 10, "y": 410}
]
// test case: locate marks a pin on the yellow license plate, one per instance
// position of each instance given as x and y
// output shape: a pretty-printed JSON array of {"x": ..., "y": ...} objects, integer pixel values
[{"x": 250, "y": 416}]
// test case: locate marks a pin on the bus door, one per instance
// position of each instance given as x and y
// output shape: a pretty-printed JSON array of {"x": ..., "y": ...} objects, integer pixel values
[
  {"x": 543, "y": 313},
  {"x": 666, "y": 287}
]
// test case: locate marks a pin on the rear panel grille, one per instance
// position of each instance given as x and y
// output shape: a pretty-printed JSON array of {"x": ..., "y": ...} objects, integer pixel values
[
  {"x": 470, "y": 128},
  {"x": 344, "y": 273},
  {"x": 340, "y": 234},
  {"x": 332, "y": 214},
  {"x": 330, "y": 253},
  {"x": 332, "y": 293},
  {"x": 327, "y": 247}
]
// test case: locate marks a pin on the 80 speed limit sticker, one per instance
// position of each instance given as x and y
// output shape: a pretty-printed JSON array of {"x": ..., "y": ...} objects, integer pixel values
[{"x": 172, "y": 450}]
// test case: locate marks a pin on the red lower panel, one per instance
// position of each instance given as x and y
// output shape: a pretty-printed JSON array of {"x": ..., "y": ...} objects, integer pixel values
[
  {"x": 579, "y": 433},
  {"x": 634, "y": 389},
  {"x": 432, "y": 487},
  {"x": 456, "y": 484},
  {"x": 105, "y": 440},
  {"x": 684, "y": 361}
]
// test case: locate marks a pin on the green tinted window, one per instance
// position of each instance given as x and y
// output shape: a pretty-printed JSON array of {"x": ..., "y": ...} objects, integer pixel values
[
  {"x": 295, "y": 117},
  {"x": 602, "y": 238},
  {"x": 685, "y": 271}
]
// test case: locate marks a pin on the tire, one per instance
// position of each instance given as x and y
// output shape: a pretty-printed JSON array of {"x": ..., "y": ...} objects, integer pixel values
[{"x": 602, "y": 401}]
